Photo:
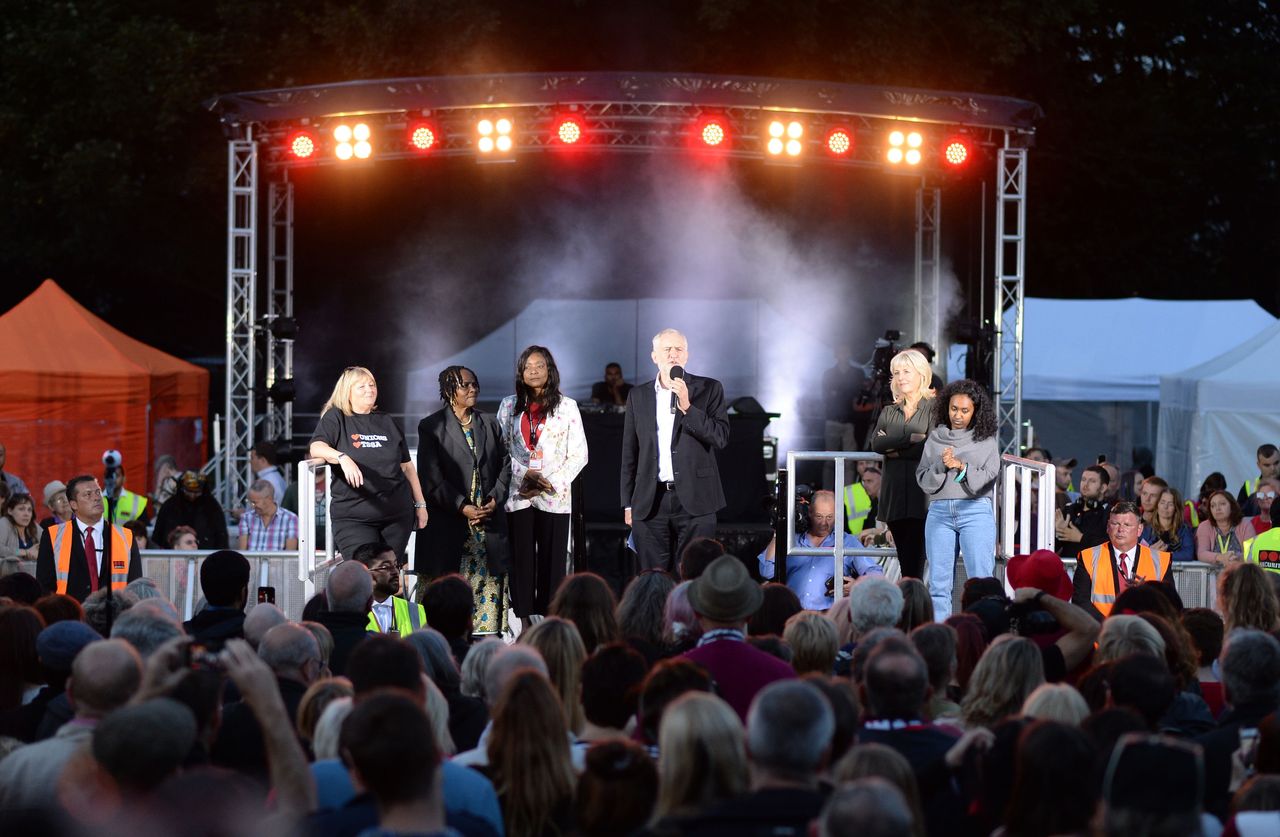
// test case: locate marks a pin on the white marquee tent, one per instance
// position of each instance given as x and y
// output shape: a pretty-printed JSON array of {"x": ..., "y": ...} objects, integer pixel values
[{"x": 1214, "y": 415}]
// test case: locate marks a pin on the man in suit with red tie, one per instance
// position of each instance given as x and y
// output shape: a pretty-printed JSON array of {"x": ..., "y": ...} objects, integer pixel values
[
  {"x": 670, "y": 481},
  {"x": 86, "y": 553},
  {"x": 1105, "y": 571}
]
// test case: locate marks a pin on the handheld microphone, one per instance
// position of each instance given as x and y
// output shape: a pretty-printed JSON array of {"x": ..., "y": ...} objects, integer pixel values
[{"x": 676, "y": 374}]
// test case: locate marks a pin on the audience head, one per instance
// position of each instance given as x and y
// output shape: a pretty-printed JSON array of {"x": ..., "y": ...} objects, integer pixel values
[
  {"x": 936, "y": 645},
  {"x": 324, "y": 639},
  {"x": 1010, "y": 670},
  {"x": 349, "y": 588},
  {"x": 103, "y": 608},
  {"x": 883, "y": 763},
  {"x": 587, "y": 601},
  {"x": 558, "y": 643},
  {"x": 388, "y": 745},
  {"x": 843, "y": 700},
  {"x": 20, "y": 627},
  {"x": 263, "y": 617},
  {"x": 868, "y": 644},
  {"x": 680, "y": 624},
  {"x": 640, "y": 611},
  {"x": 183, "y": 538},
  {"x": 315, "y": 701},
  {"x": 702, "y": 755},
  {"x": 1094, "y": 482},
  {"x": 1054, "y": 791},
  {"x": 1056, "y": 702},
  {"x": 326, "y": 742},
  {"x": 1125, "y": 635},
  {"x": 504, "y": 665},
  {"x": 813, "y": 641},
  {"x": 984, "y": 587},
  {"x": 141, "y": 745},
  {"x": 20, "y": 588},
  {"x": 146, "y": 628},
  {"x": 869, "y": 807},
  {"x": 383, "y": 662},
  {"x": 1224, "y": 511},
  {"x": 104, "y": 677},
  {"x": 917, "y": 605},
  {"x": 57, "y": 646},
  {"x": 725, "y": 595},
  {"x": 1124, "y": 525},
  {"x": 778, "y": 604},
  {"x": 617, "y": 790},
  {"x": 529, "y": 752},
  {"x": 84, "y": 496},
  {"x": 664, "y": 683},
  {"x": 789, "y": 730},
  {"x": 1247, "y": 598},
  {"x": 383, "y": 565},
  {"x": 224, "y": 578},
  {"x": 59, "y": 607},
  {"x": 1250, "y": 664},
  {"x": 611, "y": 680},
  {"x": 874, "y": 602},
  {"x": 291, "y": 652},
  {"x": 474, "y": 666},
  {"x": 449, "y": 602},
  {"x": 437, "y": 659},
  {"x": 896, "y": 682},
  {"x": 1207, "y": 631},
  {"x": 1134, "y": 805},
  {"x": 697, "y": 556},
  {"x": 1142, "y": 683},
  {"x": 971, "y": 642}
]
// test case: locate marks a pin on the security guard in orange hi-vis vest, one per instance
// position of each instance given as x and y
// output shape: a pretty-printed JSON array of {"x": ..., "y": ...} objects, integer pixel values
[
  {"x": 1105, "y": 571},
  {"x": 86, "y": 553}
]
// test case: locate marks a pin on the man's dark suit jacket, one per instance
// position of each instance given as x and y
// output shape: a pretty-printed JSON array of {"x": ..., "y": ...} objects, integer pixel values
[
  {"x": 445, "y": 463},
  {"x": 78, "y": 572},
  {"x": 696, "y": 437}
]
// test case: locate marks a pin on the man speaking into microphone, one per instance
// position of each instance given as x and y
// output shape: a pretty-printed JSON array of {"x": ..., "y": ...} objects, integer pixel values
[{"x": 670, "y": 482}]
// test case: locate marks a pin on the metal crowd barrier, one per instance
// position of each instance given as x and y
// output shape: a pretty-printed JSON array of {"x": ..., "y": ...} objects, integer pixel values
[
  {"x": 1196, "y": 582},
  {"x": 838, "y": 550},
  {"x": 1015, "y": 470},
  {"x": 177, "y": 576}
]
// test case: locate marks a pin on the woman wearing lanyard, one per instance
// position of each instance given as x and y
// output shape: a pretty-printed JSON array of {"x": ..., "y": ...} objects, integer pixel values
[
  {"x": 543, "y": 433},
  {"x": 1220, "y": 539}
]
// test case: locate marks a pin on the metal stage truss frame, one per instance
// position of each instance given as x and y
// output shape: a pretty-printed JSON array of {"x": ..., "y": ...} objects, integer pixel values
[{"x": 619, "y": 113}]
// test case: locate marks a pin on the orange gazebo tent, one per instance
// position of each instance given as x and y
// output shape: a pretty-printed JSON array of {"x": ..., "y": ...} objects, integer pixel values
[{"x": 75, "y": 387}]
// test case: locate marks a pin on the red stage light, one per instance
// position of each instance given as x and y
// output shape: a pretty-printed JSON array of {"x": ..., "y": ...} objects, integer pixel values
[
  {"x": 569, "y": 130},
  {"x": 302, "y": 145},
  {"x": 956, "y": 152},
  {"x": 713, "y": 133},
  {"x": 840, "y": 142},
  {"x": 423, "y": 136}
]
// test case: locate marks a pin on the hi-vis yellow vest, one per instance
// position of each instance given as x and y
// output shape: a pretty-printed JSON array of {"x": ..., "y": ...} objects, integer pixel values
[
  {"x": 857, "y": 505},
  {"x": 1265, "y": 550},
  {"x": 129, "y": 507},
  {"x": 121, "y": 546},
  {"x": 408, "y": 619}
]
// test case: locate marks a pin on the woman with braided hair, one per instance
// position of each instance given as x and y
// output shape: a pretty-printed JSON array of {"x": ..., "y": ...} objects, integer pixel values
[{"x": 465, "y": 472}]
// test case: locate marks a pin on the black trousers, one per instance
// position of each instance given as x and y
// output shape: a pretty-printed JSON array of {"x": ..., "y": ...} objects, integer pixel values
[
  {"x": 666, "y": 530},
  {"x": 908, "y": 537},
  {"x": 539, "y": 554},
  {"x": 348, "y": 535}
]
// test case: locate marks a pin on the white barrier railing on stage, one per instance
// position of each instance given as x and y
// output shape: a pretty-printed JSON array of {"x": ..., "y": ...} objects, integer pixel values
[
  {"x": 177, "y": 576},
  {"x": 312, "y": 559},
  {"x": 838, "y": 550},
  {"x": 1015, "y": 471}
]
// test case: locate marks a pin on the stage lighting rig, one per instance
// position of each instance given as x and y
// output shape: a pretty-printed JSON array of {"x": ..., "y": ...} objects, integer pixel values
[
  {"x": 495, "y": 136},
  {"x": 839, "y": 142},
  {"x": 905, "y": 147},
  {"x": 785, "y": 138},
  {"x": 713, "y": 132},
  {"x": 302, "y": 145},
  {"x": 423, "y": 136},
  {"x": 352, "y": 141},
  {"x": 568, "y": 129},
  {"x": 956, "y": 151}
]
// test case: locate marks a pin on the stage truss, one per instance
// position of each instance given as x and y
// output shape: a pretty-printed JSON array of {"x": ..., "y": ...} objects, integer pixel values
[{"x": 648, "y": 113}]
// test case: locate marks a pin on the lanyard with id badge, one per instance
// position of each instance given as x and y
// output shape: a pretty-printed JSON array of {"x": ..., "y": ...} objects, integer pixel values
[{"x": 534, "y": 479}]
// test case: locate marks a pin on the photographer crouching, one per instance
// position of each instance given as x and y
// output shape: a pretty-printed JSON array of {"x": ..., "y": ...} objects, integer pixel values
[
  {"x": 1040, "y": 610},
  {"x": 812, "y": 576}
]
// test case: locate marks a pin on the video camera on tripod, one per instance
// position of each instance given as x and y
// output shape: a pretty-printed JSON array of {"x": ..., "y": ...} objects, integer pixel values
[{"x": 876, "y": 387}]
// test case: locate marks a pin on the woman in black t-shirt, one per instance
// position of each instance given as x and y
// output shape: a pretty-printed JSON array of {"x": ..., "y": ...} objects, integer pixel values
[{"x": 376, "y": 493}]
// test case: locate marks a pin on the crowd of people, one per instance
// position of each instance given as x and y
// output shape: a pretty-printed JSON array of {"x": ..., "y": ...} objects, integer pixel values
[{"x": 503, "y": 696}]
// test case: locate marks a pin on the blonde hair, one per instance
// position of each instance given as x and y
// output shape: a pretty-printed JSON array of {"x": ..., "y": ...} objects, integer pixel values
[
  {"x": 702, "y": 755},
  {"x": 883, "y": 762},
  {"x": 1247, "y": 598},
  {"x": 1008, "y": 672},
  {"x": 341, "y": 397},
  {"x": 915, "y": 361},
  {"x": 813, "y": 642},
  {"x": 1123, "y": 635},
  {"x": 841, "y": 615},
  {"x": 438, "y": 714},
  {"x": 560, "y": 645},
  {"x": 329, "y": 728},
  {"x": 1056, "y": 702}
]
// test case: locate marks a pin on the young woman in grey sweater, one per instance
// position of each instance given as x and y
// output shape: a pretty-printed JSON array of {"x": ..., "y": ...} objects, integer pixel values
[{"x": 957, "y": 473}]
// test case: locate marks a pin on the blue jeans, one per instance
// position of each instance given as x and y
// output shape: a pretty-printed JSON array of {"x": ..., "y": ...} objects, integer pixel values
[{"x": 956, "y": 527}]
